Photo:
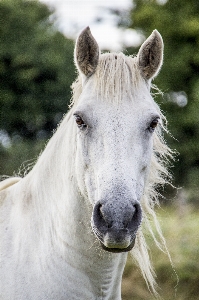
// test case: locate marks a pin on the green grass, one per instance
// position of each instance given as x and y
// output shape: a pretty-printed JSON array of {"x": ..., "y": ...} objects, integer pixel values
[{"x": 181, "y": 231}]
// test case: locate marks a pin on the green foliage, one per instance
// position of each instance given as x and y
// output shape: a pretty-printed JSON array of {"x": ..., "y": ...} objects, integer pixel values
[
  {"x": 178, "y": 23},
  {"x": 36, "y": 70}
]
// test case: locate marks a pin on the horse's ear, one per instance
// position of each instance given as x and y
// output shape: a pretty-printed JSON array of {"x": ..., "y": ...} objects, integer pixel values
[
  {"x": 150, "y": 55},
  {"x": 86, "y": 53}
]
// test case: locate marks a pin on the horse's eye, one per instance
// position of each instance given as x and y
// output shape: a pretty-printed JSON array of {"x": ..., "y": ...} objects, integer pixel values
[
  {"x": 153, "y": 124},
  {"x": 80, "y": 123}
]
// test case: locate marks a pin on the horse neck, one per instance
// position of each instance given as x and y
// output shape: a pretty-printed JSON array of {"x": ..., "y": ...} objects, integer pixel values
[{"x": 63, "y": 215}]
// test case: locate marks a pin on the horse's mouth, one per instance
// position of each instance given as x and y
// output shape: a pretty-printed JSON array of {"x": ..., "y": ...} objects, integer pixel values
[{"x": 118, "y": 250}]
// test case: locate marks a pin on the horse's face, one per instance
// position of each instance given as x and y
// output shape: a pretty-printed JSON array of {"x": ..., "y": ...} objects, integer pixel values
[{"x": 114, "y": 146}]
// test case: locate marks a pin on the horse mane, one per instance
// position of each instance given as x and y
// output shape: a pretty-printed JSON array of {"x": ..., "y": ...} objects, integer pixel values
[{"x": 117, "y": 74}]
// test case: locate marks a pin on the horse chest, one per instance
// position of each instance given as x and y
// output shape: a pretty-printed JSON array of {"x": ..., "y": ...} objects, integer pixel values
[{"x": 98, "y": 279}]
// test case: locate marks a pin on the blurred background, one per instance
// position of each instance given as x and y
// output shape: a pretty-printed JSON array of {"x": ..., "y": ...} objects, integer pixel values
[{"x": 37, "y": 70}]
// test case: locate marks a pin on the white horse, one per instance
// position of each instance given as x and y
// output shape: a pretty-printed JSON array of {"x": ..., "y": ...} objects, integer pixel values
[{"x": 67, "y": 226}]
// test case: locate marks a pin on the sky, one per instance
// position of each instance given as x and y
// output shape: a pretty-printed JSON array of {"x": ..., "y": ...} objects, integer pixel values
[{"x": 74, "y": 15}]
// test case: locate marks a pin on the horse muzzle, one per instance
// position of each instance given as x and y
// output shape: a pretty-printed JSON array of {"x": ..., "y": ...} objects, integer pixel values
[{"x": 116, "y": 223}]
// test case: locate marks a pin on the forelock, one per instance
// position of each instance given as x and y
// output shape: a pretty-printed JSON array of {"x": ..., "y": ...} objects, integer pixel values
[{"x": 116, "y": 75}]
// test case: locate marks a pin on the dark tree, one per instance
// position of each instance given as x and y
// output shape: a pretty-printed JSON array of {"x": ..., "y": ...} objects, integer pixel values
[{"x": 36, "y": 70}]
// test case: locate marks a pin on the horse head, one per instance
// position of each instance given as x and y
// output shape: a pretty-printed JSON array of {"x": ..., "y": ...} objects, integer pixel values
[{"x": 116, "y": 119}]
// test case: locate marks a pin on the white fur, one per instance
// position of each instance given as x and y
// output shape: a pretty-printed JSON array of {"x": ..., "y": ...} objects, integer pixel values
[{"x": 48, "y": 250}]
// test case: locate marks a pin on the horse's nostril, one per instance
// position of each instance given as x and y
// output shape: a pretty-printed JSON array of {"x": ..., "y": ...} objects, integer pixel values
[
  {"x": 136, "y": 217},
  {"x": 100, "y": 211},
  {"x": 98, "y": 217},
  {"x": 101, "y": 218}
]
